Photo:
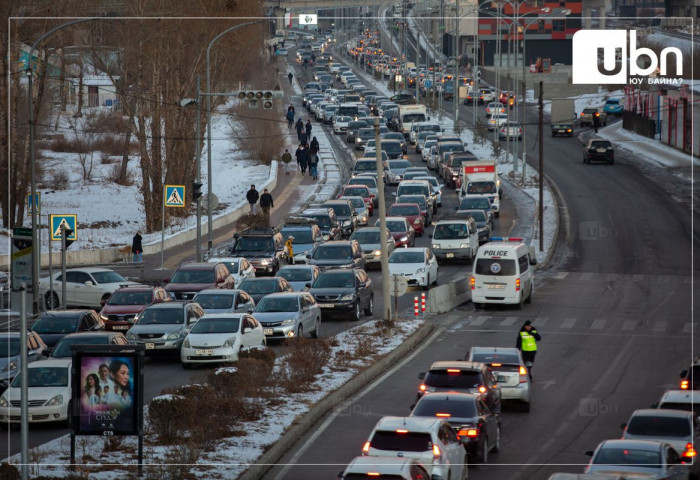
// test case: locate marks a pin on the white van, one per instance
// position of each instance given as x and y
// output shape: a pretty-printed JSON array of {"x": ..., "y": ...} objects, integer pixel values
[
  {"x": 503, "y": 273},
  {"x": 455, "y": 239}
]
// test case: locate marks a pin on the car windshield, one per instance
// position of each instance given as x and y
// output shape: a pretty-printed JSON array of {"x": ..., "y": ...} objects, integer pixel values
[
  {"x": 9, "y": 346},
  {"x": 56, "y": 324},
  {"x": 400, "y": 256},
  {"x": 332, "y": 253},
  {"x": 323, "y": 221},
  {"x": 396, "y": 226},
  {"x": 450, "y": 147},
  {"x": 366, "y": 236},
  {"x": 216, "y": 325},
  {"x": 491, "y": 357},
  {"x": 474, "y": 204},
  {"x": 464, "y": 379},
  {"x": 399, "y": 164},
  {"x": 431, "y": 407},
  {"x": 413, "y": 190},
  {"x": 335, "y": 280},
  {"x": 401, "y": 441},
  {"x": 478, "y": 215},
  {"x": 161, "y": 316},
  {"x": 360, "y": 191},
  {"x": 627, "y": 456},
  {"x": 404, "y": 210},
  {"x": 451, "y": 231},
  {"x": 295, "y": 274},
  {"x": 689, "y": 407},
  {"x": 499, "y": 267},
  {"x": 232, "y": 265},
  {"x": 213, "y": 301},
  {"x": 259, "y": 286},
  {"x": 63, "y": 350},
  {"x": 433, "y": 181},
  {"x": 108, "y": 277},
  {"x": 477, "y": 188},
  {"x": 340, "y": 209},
  {"x": 300, "y": 236},
  {"x": 357, "y": 202},
  {"x": 658, "y": 426},
  {"x": 392, "y": 146},
  {"x": 419, "y": 199},
  {"x": 278, "y": 304},
  {"x": 414, "y": 117},
  {"x": 366, "y": 166},
  {"x": 366, "y": 181},
  {"x": 254, "y": 244},
  {"x": 613, "y": 102},
  {"x": 129, "y": 298},
  {"x": 193, "y": 276},
  {"x": 600, "y": 144},
  {"x": 44, "y": 377}
]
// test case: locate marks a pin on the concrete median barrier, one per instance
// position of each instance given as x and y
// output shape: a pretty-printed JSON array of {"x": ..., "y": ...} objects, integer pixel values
[{"x": 443, "y": 298}]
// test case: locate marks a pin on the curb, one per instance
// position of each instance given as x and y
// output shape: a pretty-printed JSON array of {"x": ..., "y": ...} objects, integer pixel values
[
  {"x": 267, "y": 460},
  {"x": 560, "y": 205}
]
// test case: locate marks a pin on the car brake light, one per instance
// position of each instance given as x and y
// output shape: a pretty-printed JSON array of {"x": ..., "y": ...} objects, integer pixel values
[
  {"x": 523, "y": 375},
  {"x": 468, "y": 432},
  {"x": 472, "y": 283},
  {"x": 453, "y": 370},
  {"x": 482, "y": 389},
  {"x": 517, "y": 284},
  {"x": 436, "y": 452},
  {"x": 373, "y": 474},
  {"x": 689, "y": 451},
  {"x": 684, "y": 385},
  {"x": 422, "y": 387},
  {"x": 443, "y": 415},
  {"x": 365, "y": 448},
  {"x": 496, "y": 364}
]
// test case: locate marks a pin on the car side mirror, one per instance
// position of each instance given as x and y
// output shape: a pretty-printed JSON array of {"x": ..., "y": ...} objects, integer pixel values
[
  {"x": 457, "y": 208},
  {"x": 623, "y": 426},
  {"x": 588, "y": 453},
  {"x": 430, "y": 235},
  {"x": 362, "y": 284},
  {"x": 412, "y": 407},
  {"x": 421, "y": 375},
  {"x": 247, "y": 330},
  {"x": 684, "y": 373},
  {"x": 654, "y": 405},
  {"x": 340, "y": 474},
  {"x": 308, "y": 256},
  {"x": 166, "y": 280},
  {"x": 88, "y": 283}
]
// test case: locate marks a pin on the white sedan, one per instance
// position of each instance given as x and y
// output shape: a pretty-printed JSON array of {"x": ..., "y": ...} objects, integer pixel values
[
  {"x": 219, "y": 337},
  {"x": 85, "y": 287},
  {"x": 417, "y": 264},
  {"x": 239, "y": 268},
  {"x": 49, "y": 393}
]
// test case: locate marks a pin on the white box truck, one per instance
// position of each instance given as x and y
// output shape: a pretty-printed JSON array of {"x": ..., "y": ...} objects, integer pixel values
[
  {"x": 410, "y": 114},
  {"x": 481, "y": 178},
  {"x": 563, "y": 117}
]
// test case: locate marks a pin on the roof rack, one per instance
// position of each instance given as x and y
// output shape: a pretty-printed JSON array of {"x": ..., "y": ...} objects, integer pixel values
[
  {"x": 300, "y": 221},
  {"x": 261, "y": 231}
]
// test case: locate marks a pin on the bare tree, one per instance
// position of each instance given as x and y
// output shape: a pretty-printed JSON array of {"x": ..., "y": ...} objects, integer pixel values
[{"x": 85, "y": 134}]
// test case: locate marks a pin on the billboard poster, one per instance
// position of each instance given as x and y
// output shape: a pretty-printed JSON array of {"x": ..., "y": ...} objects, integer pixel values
[{"x": 106, "y": 388}]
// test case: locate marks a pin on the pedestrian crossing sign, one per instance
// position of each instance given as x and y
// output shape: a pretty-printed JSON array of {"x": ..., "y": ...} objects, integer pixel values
[
  {"x": 174, "y": 196},
  {"x": 69, "y": 221}
]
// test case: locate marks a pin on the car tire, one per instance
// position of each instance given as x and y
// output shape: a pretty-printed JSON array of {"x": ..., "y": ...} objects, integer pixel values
[
  {"x": 484, "y": 453},
  {"x": 477, "y": 306},
  {"x": 317, "y": 329},
  {"x": 524, "y": 406},
  {"x": 427, "y": 283},
  {"x": 187, "y": 366},
  {"x": 369, "y": 311},
  {"x": 356, "y": 312},
  {"x": 51, "y": 300},
  {"x": 497, "y": 443},
  {"x": 529, "y": 296},
  {"x": 465, "y": 470},
  {"x": 300, "y": 331}
]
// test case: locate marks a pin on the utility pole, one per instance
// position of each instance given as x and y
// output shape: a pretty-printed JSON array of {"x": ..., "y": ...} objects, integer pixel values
[
  {"x": 541, "y": 175},
  {"x": 386, "y": 287},
  {"x": 455, "y": 97},
  {"x": 198, "y": 172}
]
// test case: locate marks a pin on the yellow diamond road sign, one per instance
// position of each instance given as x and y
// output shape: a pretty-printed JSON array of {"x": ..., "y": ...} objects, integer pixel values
[
  {"x": 69, "y": 221},
  {"x": 174, "y": 195}
]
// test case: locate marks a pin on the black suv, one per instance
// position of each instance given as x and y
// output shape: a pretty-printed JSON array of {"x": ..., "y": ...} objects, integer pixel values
[
  {"x": 193, "y": 277},
  {"x": 690, "y": 378},
  {"x": 326, "y": 220},
  {"x": 465, "y": 377},
  {"x": 338, "y": 254},
  {"x": 345, "y": 213},
  {"x": 263, "y": 247},
  {"x": 344, "y": 290}
]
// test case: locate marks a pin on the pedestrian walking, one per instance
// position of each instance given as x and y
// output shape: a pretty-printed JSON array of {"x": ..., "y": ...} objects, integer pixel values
[
  {"x": 137, "y": 248},
  {"x": 304, "y": 139},
  {"x": 302, "y": 155},
  {"x": 300, "y": 128},
  {"x": 252, "y": 197},
  {"x": 290, "y": 76},
  {"x": 266, "y": 203},
  {"x": 527, "y": 344},
  {"x": 287, "y": 159},
  {"x": 596, "y": 121},
  {"x": 314, "y": 146},
  {"x": 313, "y": 165},
  {"x": 308, "y": 128},
  {"x": 290, "y": 117}
]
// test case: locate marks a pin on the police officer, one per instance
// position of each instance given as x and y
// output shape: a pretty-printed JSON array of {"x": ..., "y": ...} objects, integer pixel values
[{"x": 527, "y": 344}]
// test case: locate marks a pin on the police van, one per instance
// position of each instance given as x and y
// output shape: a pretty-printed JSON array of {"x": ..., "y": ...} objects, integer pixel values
[{"x": 503, "y": 273}]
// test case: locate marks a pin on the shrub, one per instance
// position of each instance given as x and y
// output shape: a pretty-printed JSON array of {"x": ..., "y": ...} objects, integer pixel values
[
  {"x": 264, "y": 354},
  {"x": 9, "y": 472},
  {"x": 306, "y": 360},
  {"x": 170, "y": 417},
  {"x": 58, "y": 181}
]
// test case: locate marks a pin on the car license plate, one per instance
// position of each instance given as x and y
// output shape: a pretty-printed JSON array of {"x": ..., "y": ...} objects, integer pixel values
[
  {"x": 326, "y": 305},
  {"x": 150, "y": 346},
  {"x": 204, "y": 352},
  {"x": 121, "y": 327},
  {"x": 561, "y": 131},
  {"x": 450, "y": 255},
  {"x": 495, "y": 286},
  {"x": 600, "y": 150},
  {"x": 267, "y": 331}
]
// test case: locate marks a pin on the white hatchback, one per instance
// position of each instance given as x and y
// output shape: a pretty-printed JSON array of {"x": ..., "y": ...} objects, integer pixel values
[
  {"x": 417, "y": 264},
  {"x": 85, "y": 287}
]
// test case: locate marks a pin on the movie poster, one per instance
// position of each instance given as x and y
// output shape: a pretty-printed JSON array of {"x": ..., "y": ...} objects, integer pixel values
[{"x": 107, "y": 394}]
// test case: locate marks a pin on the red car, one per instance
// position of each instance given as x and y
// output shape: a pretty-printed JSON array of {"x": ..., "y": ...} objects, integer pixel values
[
  {"x": 404, "y": 235},
  {"x": 359, "y": 191},
  {"x": 412, "y": 213},
  {"x": 504, "y": 97},
  {"x": 127, "y": 302}
]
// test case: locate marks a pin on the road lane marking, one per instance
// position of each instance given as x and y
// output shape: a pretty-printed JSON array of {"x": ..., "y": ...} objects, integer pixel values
[
  {"x": 629, "y": 325},
  {"x": 587, "y": 276},
  {"x": 480, "y": 320},
  {"x": 598, "y": 324},
  {"x": 568, "y": 323},
  {"x": 659, "y": 326},
  {"x": 509, "y": 321}
]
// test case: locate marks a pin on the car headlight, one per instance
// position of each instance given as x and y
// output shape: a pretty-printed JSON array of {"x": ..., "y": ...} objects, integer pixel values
[
  {"x": 435, "y": 246},
  {"x": 404, "y": 238},
  {"x": 4, "y": 402},
  {"x": 463, "y": 245},
  {"x": 347, "y": 223},
  {"x": 232, "y": 341},
  {"x": 131, "y": 336},
  {"x": 10, "y": 366},
  {"x": 377, "y": 253},
  {"x": 264, "y": 262},
  {"x": 364, "y": 218},
  {"x": 289, "y": 321},
  {"x": 417, "y": 221},
  {"x": 174, "y": 335},
  {"x": 186, "y": 343},
  {"x": 420, "y": 270},
  {"x": 307, "y": 252},
  {"x": 57, "y": 400},
  {"x": 348, "y": 297}
]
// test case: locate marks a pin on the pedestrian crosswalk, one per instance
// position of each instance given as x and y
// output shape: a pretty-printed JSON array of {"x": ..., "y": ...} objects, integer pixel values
[{"x": 568, "y": 324}]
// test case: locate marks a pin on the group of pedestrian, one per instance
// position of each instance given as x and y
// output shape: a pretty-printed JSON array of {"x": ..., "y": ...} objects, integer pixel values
[
  {"x": 303, "y": 131},
  {"x": 307, "y": 157},
  {"x": 266, "y": 201}
]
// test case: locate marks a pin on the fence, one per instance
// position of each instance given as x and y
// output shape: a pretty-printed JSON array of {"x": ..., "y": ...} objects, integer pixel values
[{"x": 635, "y": 122}]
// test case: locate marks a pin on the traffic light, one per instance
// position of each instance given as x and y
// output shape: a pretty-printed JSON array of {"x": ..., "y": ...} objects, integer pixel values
[
  {"x": 256, "y": 97},
  {"x": 511, "y": 102},
  {"x": 196, "y": 191},
  {"x": 67, "y": 232}
]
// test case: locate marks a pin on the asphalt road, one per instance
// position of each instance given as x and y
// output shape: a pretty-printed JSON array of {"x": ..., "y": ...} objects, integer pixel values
[{"x": 614, "y": 312}]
